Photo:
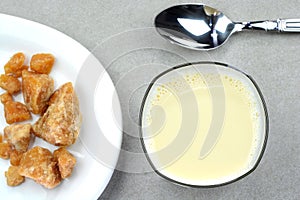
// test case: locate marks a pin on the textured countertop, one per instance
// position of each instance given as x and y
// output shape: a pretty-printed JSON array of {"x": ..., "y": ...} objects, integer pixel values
[{"x": 121, "y": 35}]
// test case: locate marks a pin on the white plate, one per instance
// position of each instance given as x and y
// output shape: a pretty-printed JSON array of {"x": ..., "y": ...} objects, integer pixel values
[{"x": 99, "y": 104}]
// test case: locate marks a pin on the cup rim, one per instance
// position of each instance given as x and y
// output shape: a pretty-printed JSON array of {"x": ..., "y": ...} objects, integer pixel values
[{"x": 259, "y": 158}]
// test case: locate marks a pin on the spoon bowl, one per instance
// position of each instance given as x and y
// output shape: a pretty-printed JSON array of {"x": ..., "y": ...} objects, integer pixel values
[
  {"x": 200, "y": 27},
  {"x": 194, "y": 26}
]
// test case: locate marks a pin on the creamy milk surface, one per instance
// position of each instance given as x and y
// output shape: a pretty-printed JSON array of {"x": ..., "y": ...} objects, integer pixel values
[{"x": 204, "y": 128}]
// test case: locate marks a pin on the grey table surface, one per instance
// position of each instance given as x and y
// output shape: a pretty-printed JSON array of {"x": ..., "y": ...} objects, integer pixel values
[{"x": 133, "y": 54}]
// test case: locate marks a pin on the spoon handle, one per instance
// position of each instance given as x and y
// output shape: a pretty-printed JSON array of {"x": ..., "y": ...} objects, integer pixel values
[
  {"x": 279, "y": 25},
  {"x": 289, "y": 25}
]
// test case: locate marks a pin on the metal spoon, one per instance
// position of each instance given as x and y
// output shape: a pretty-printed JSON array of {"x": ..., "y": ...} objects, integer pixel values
[{"x": 200, "y": 27}]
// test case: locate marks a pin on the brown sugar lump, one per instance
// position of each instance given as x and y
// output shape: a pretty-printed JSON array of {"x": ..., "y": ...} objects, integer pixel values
[
  {"x": 5, "y": 150},
  {"x": 13, "y": 178},
  {"x": 15, "y": 157},
  {"x": 19, "y": 72},
  {"x": 42, "y": 63},
  {"x": 6, "y": 97},
  {"x": 16, "y": 112},
  {"x": 9, "y": 83},
  {"x": 65, "y": 161},
  {"x": 38, "y": 164},
  {"x": 18, "y": 135},
  {"x": 60, "y": 124},
  {"x": 15, "y": 64},
  {"x": 37, "y": 89}
]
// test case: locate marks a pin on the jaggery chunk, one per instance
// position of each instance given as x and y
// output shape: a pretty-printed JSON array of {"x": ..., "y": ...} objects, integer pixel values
[
  {"x": 18, "y": 135},
  {"x": 42, "y": 63},
  {"x": 15, "y": 157},
  {"x": 65, "y": 161},
  {"x": 18, "y": 73},
  {"x": 6, "y": 97},
  {"x": 37, "y": 89},
  {"x": 60, "y": 124},
  {"x": 14, "y": 64},
  {"x": 38, "y": 164},
  {"x": 9, "y": 83},
  {"x": 13, "y": 177},
  {"x": 16, "y": 112},
  {"x": 0, "y": 138},
  {"x": 5, "y": 150}
]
